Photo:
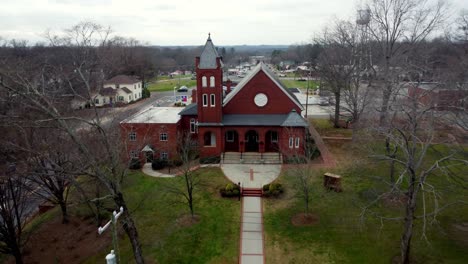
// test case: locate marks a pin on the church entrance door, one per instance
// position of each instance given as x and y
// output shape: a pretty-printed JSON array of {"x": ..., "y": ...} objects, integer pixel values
[{"x": 251, "y": 141}]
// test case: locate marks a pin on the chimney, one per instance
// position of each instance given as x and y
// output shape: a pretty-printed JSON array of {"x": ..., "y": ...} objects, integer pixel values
[
  {"x": 228, "y": 86},
  {"x": 194, "y": 96}
]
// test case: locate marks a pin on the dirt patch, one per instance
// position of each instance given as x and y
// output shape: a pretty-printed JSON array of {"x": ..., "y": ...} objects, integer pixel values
[
  {"x": 55, "y": 242},
  {"x": 188, "y": 220},
  {"x": 459, "y": 232},
  {"x": 394, "y": 199},
  {"x": 302, "y": 219}
]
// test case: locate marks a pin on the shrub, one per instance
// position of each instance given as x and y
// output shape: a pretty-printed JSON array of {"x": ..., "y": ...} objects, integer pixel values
[
  {"x": 210, "y": 160},
  {"x": 176, "y": 162},
  {"x": 145, "y": 93},
  {"x": 135, "y": 164},
  {"x": 273, "y": 189},
  {"x": 230, "y": 190},
  {"x": 295, "y": 160},
  {"x": 158, "y": 164}
]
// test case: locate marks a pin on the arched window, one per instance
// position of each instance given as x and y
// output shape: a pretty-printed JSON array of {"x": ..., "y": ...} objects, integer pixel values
[
  {"x": 212, "y": 81},
  {"x": 203, "y": 81}
]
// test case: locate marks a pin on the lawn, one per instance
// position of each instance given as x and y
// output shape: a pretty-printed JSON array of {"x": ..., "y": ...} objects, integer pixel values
[
  {"x": 325, "y": 128},
  {"x": 156, "y": 211},
  {"x": 341, "y": 237},
  {"x": 300, "y": 84},
  {"x": 168, "y": 85},
  {"x": 213, "y": 240}
]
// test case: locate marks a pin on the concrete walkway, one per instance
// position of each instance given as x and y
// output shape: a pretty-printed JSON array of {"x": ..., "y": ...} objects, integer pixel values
[
  {"x": 150, "y": 172},
  {"x": 251, "y": 175},
  {"x": 252, "y": 240}
]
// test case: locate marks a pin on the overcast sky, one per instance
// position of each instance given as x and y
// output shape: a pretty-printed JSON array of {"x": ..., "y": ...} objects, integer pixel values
[{"x": 181, "y": 22}]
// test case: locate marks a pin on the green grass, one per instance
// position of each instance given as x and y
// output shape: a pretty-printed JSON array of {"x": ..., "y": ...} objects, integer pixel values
[
  {"x": 214, "y": 239},
  {"x": 341, "y": 237},
  {"x": 168, "y": 85},
  {"x": 325, "y": 128},
  {"x": 156, "y": 210},
  {"x": 298, "y": 84}
]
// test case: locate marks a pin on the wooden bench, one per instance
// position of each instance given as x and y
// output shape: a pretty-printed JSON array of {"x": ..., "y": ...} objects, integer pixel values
[{"x": 332, "y": 182}]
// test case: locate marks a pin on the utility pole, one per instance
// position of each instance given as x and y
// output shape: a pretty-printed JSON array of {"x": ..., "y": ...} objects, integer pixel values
[
  {"x": 113, "y": 258},
  {"x": 307, "y": 92}
]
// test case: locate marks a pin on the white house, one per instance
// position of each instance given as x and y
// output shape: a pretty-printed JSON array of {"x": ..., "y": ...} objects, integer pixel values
[{"x": 119, "y": 89}]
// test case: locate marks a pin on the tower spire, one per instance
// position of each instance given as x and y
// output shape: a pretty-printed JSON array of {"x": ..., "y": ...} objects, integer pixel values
[{"x": 209, "y": 36}]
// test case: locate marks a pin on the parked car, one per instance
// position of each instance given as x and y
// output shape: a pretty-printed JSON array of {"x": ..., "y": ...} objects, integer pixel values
[
  {"x": 182, "y": 89},
  {"x": 281, "y": 75},
  {"x": 324, "y": 101}
]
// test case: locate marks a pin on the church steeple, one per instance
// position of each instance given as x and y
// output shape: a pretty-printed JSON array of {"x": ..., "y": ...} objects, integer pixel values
[
  {"x": 209, "y": 57},
  {"x": 209, "y": 84}
]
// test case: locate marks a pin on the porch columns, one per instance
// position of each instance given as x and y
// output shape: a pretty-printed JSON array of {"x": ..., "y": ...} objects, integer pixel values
[{"x": 261, "y": 141}]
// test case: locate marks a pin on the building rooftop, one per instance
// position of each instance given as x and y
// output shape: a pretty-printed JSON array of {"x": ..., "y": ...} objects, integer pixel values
[
  {"x": 262, "y": 67},
  {"x": 122, "y": 79},
  {"x": 155, "y": 115},
  {"x": 292, "y": 119},
  {"x": 191, "y": 109},
  {"x": 208, "y": 56}
]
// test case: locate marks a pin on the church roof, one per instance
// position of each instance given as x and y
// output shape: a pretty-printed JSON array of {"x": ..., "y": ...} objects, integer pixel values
[
  {"x": 262, "y": 67},
  {"x": 208, "y": 56},
  {"x": 292, "y": 119},
  {"x": 190, "y": 109}
]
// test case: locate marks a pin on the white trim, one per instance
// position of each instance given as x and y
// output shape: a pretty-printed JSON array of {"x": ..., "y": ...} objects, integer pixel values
[
  {"x": 296, "y": 144},
  {"x": 249, "y": 77},
  {"x": 205, "y": 102},
  {"x": 132, "y": 136}
]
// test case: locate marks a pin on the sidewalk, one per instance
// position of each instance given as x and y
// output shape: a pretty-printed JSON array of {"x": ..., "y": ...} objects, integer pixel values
[
  {"x": 150, "y": 172},
  {"x": 327, "y": 157},
  {"x": 251, "y": 240}
]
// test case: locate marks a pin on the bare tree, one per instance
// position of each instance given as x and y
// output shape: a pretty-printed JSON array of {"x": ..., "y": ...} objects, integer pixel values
[
  {"x": 302, "y": 175},
  {"x": 398, "y": 26},
  {"x": 41, "y": 81},
  {"x": 335, "y": 61},
  {"x": 412, "y": 133},
  {"x": 51, "y": 172},
  {"x": 12, "y": 215},
  {"x": 187, "y": 151}
]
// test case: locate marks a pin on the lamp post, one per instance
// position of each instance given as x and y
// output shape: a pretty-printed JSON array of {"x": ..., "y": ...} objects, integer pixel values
[
  {"x": 175, "y": 87},
  {"x": 112, "y": 258}
]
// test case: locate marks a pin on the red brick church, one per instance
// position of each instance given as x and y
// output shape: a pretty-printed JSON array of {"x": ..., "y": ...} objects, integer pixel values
[{"x": 259, "y": 115}]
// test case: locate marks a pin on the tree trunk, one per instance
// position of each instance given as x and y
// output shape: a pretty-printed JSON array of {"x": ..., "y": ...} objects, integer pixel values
[
  {"x": 408, "y": 224},
  {"x": 385, "y": 101},
  {"x": 130, "y": 229},
  {"x": 337, "y": 109},
  {"x": 17, "y": 254},
  {"x": 63, "y": 208}
]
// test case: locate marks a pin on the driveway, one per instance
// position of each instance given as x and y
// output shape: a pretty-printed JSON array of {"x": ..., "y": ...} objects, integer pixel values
[{"x": 251, "y": 175}]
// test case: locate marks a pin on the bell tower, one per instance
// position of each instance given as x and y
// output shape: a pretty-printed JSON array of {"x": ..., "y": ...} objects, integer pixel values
[{"x": 209, "y": 69}]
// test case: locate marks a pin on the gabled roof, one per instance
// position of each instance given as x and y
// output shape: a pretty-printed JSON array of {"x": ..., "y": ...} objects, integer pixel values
[
  {"x": 126, "y": 90},
  {"x": 294, "y": 120},
  {"x": 208, "y": 56},
  {"x": 107, "y": 91},
  {"x": 190, "y": 109},
  {"x": 261, "y": 67},
  {"x": 122, "y": 79}
]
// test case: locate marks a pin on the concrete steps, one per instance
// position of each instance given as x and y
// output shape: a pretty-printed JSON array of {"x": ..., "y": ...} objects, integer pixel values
[
  {"x": 252, "y": 192},
  {"x": 252, "y": 158}
]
